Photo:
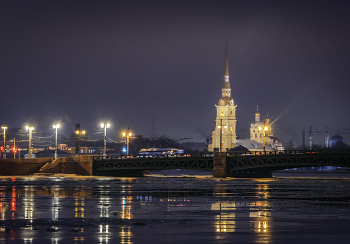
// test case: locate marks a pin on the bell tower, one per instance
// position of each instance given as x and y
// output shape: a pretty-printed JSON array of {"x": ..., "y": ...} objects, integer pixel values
[{"x": 224, "y": 134}]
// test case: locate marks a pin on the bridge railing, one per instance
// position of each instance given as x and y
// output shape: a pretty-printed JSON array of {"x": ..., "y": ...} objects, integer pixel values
[
  {"x": 277, "y": 152},
  {"x": 237, "y": 154},
  {"x": 115, "y": 157}
]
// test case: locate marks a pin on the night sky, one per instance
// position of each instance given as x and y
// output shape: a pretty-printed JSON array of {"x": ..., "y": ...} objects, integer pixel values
[{"x": 126, "y": 61}]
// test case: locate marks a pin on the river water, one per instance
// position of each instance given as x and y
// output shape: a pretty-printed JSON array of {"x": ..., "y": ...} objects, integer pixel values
[{"x": 175, "y": 207}]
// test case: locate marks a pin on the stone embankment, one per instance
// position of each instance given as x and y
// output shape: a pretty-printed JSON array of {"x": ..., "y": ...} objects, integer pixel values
[{"x": 81, "y": 165}]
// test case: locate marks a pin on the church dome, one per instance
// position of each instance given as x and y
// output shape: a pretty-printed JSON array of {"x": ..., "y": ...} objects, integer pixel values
[
  {"x": 226, "y": 85},
  {"x": 337, "y": 137},
  {"x": 223, "y": 101}
]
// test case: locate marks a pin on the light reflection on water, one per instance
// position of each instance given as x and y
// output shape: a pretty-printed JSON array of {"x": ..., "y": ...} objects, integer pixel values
[
  {"x": 125, "y": 235},
  {"x": 125, "y": 211}
]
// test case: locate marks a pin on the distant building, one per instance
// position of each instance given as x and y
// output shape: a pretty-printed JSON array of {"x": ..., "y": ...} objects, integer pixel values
[
  {"x": 257, "y": 128},
  {"x": 336, "y": 139},
  {"x": 257, "y": 137},
  {"x": 257, "y": 131}
]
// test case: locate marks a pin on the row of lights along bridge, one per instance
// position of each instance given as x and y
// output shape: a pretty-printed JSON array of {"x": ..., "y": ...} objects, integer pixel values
[{"x": 78, "y": 132}]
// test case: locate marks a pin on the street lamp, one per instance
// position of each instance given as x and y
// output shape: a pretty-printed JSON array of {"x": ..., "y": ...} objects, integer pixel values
[
  {"x": 30, "y": 129},
  {"x": 79, "y": 133},
  {"x": 4, "y": 128},
  {"x": 265, "y": 128},
  {"x": 127, "y": 135},
  {"x": 105, "y": 126},
  {"x": 220, "y": 127},
  {"x": 56, "y": 127}
]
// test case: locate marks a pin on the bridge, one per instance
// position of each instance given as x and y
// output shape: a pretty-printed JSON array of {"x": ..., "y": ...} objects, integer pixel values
[{"x": 223, "y": 164}]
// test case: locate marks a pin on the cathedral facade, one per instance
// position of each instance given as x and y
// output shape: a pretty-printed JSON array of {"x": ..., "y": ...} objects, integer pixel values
[{"x": 258, "y": 128}]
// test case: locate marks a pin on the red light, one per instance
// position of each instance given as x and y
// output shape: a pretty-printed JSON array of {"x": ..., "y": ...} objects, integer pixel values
[{"x": 14, "y": 149}]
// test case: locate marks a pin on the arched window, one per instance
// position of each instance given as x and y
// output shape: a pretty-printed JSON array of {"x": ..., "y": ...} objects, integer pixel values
[
  {"x": 231, "y": 113},
  {"x": 222, "y": 113}
]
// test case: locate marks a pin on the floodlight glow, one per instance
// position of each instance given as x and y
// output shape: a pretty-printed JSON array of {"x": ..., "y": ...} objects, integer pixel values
[{"x": 56, "y": 126}]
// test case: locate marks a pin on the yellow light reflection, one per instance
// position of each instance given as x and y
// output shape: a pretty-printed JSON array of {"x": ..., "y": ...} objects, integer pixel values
[
  {"x": 55, "y": 206},
  {"x": 103, "y": 240},
  {"x": 104, "y": 205},
  {"x": 28, "y": 240},
  {"x": 126, "y": 208},
  {"x": 223, "y": 205},
  {"x": 125, "y": 235},
  {"x": 28, "y": 205},
  {"x": 3, "y": 207},
  {"x": 13, "y": 202},
  {"x": 104, "y": 229},
  {"x": 79, "y": 239},
  {"x": 54, "y": 240},
  {"x": 259, "y": 213},
  {"x": 79, "y": 205},
  {"x": 260, "y": 226},
  {"x": 225, "y": 222}
]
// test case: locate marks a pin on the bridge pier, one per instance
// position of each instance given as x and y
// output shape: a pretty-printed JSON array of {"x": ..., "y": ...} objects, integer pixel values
[
  {"x": 220, "y": 169},
  {"x": 220, "y": 164}
]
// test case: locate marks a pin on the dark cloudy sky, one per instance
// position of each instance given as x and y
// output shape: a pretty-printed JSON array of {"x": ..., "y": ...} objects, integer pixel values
[{"x": 125, "y": 61}]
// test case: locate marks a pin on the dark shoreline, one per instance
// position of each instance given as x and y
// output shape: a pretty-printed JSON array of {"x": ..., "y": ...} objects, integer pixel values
[{"x": 312, "y": 172}]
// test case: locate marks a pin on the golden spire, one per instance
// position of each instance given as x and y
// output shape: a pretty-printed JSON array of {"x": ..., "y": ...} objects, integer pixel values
[
  {"x": 257, "y": 115},
  {"x": 257, "y": 111},
  {"x": 226, "y": 61}
]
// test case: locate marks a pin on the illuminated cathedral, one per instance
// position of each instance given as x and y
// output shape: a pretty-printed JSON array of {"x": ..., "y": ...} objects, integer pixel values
[
  {"x": 261, "y": 137},
  {"x": 224, "y": 134}
]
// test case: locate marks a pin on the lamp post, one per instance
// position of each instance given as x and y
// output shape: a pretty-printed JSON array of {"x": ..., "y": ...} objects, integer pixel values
[
  {"x": 79, "y": 133},
  {"x": 220, "y": 127},
  {"x": 30, "y": 129},
  {"x": 56, "y": 126},
  {"x": 105, "y": 126},
  {"x": 127, "y": 135},
  {"x": 264, "y": 129},
  {"x": 14, "y": 150},
  {"x": 4, "y": 128}
]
